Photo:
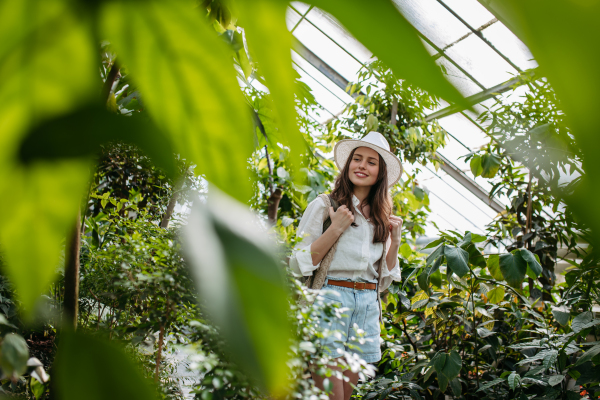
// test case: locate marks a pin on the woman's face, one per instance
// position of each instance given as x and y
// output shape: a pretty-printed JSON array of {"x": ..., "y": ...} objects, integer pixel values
[{"x": 364, "y": 167}]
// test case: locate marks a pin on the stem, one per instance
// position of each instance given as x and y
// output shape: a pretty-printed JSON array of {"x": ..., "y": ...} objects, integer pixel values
[
  {"x": 414, "y": 346},
  {"x": 475, "y": 336},
  {"x": 161, "y": 337},
  {"x": 110, "y": 81},
  {"x": 71, "y": 301}
]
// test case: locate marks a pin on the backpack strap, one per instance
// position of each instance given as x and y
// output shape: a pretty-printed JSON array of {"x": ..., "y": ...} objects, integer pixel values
[
  {"x": 317, "y": 279},
  {"x": 332, "y": 203}
]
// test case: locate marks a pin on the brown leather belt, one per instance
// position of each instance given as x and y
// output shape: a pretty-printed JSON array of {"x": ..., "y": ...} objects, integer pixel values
[{"x": 353, "y": 285}]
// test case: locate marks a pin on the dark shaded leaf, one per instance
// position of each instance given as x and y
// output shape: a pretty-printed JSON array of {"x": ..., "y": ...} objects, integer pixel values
[
  {"x": 457, "y": 259},
  {"x": 513, "y": 268},
  {"x": 89, "y": 368}
]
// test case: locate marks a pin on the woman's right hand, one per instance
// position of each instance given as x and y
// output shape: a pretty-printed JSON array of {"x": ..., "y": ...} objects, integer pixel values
[{"x": 341, "y": 219}]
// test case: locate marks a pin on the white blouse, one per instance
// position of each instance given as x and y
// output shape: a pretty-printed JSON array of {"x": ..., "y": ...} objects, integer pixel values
[{"x": 356, "y": 255}]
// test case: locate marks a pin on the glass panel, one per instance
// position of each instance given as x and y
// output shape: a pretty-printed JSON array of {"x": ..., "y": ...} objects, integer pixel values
[
  {"x": 480, "y": 61},
  {"x": 463, "y": 83},
  {"x": 432, "y": 20},
  {"x": 327, "y": 51},
  {"x": 301, "y": 7},
  {"x": 339, "y": 34},
  {"x": 327, "y": 100},
  {"x": 317, "y": 75},
  {"x": 464, "y": 131},
  {"x": 510, "y": 45},
  {"x": 291, "y": 18},
  {"x": 471, "y": 12}
]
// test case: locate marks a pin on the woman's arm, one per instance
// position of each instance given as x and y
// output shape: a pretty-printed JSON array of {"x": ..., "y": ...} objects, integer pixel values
[
  {"x": 395, "y": 236},
  {"x": 340, "y": 221}
]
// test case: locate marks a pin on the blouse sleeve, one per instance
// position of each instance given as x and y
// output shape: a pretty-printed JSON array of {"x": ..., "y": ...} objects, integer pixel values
[
  {"x": 309, "y": 230},
  {"x": 388, "y": 276}
]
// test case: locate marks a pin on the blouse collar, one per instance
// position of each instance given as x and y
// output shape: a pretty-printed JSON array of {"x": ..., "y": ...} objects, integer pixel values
[{"x": 355, "y": 201}]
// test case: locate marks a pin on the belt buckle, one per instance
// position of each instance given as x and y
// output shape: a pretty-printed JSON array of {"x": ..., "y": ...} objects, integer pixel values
[{"x": 355, "y": 288}]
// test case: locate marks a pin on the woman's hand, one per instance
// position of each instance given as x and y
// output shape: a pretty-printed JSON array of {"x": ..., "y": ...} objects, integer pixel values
[
  {"x": 396, "y": 228},
  {"x": 341, "y": 219}
]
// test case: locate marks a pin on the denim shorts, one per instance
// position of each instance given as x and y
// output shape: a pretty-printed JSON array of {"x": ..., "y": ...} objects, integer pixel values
[{"x": 358, "y": 328}]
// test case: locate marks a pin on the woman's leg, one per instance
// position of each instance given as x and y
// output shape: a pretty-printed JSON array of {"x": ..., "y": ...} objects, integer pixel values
[
  {"x": 338, "y": 385},
  {"x": 349, "y": 386}
]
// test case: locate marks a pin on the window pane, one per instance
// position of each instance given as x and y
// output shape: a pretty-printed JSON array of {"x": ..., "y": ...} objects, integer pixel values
[{"x": 509, "y": 45}]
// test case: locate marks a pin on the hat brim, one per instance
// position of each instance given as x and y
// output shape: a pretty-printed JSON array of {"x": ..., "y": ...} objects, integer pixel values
[{"x": 343, "y": 148}]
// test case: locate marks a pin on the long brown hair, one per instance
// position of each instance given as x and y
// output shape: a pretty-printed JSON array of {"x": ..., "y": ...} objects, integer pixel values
[{"x": 379, "y": 199}]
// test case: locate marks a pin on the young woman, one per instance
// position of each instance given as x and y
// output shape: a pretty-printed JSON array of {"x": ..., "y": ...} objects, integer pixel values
[{"x": 356, "y": 257}]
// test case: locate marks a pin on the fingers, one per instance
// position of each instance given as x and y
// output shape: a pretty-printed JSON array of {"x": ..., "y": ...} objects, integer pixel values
[{"x": 331, "y": 212}]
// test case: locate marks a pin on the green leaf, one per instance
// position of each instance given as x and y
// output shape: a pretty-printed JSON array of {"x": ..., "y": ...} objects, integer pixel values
[
  {"x": 241, "y": 283},
  {"x": 433, "y": 244},
  {"x": 405, "y": 250},
  {"x": 372, "y": 123},
  {"x": 49, "y": 53},
  {"x": 438, "y": 361},
  {"x": 581, "y": 320},
  {"x": 476, "y": 168},
  {"x": 436, "y": 278},
  {"x": 555, "y": 380},
  {"x": 496, "y": 295},
  {"x": 493, "y": 264},
  {"x": 188, "y": 80},
  {"x": 456, "y": 387},
  {"x": 588, "y": 355},
  {"x": 562, "y": 315},
  {"x": 85, "y": 364},
  {"x": 423, "y": 279},
  {"x": 490, "y": 164},
  {"x": 272, "y": 54},
  {"x": 453, "y": 365},
  {"x": 457, "y": 259},
  {"x": 464, "y": 241},
  {"x": 513, "y": 268},
  {"x": 514, "y": 380},
  {"x": 14, "y": 355},
  {"x": 534, "y": 269},
  {"x": 439, "y": 251}
]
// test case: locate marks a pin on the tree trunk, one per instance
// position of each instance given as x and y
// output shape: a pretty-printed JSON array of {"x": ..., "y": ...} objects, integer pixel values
[
  {"x": 273, "y": 202},
  {"x": 164, "y": 223},
  {"x": 71, "y": 302},
  {"x": 394, "y": 111}
]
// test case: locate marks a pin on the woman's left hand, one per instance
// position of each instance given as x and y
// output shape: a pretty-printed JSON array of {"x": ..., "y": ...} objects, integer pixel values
[{"x": 396, "y": 228}]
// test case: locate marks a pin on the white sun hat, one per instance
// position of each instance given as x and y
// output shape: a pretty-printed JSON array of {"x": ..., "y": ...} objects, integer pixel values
[{"x": 375, "y": 141}]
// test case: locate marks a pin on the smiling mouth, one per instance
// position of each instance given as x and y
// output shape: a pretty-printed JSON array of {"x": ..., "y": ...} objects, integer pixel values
[{"x": 360, "y": 174}]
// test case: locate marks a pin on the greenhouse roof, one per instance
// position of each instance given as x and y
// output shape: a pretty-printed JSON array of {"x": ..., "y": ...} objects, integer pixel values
[{"x": 481, "y": 58}]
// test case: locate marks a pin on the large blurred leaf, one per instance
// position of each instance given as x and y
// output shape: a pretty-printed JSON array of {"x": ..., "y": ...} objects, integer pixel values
[
  {"x": 561, "y": 35},
  {"x": 270, "y": 43},
  {"x": 242, "y": 287},
  {"x": 93, "y": 369},
  {"x": 13, "y": 355},
  {"x": 513, "y": 268},
  {"x": 186, "y": 76},
  {"x": 48, "y": 59},
  {"x": 377, "y": 24}
]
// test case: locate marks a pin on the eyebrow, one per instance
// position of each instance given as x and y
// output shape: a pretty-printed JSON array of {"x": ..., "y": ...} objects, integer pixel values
[{"x": 368, "y": 158}]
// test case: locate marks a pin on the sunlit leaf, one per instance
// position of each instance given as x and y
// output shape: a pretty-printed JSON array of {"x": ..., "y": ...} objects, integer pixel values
[
  {"x": 93, "y": 369},
  {"x": 49, "y": 54},
  {"x": 490, "y": 163},
  {"x": 496, "y": 295},
  {"x": 476, "y": 168},
  {"x": 381, "y": 19},
  {"x": 242, "y": 286},
  {"x": 405, "y": 250},
  {"x": 264, "y": 25},
  {"x": 186, "y": 76},
  {"x": 493, "y": 264}
]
